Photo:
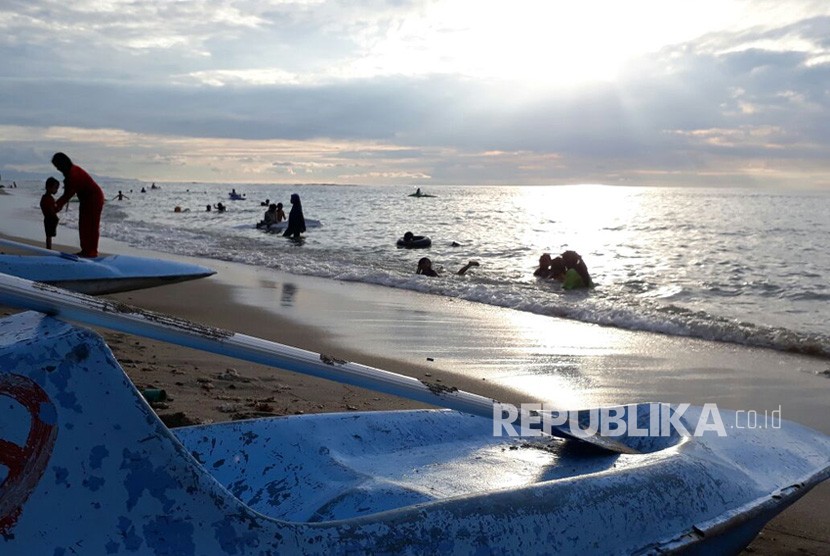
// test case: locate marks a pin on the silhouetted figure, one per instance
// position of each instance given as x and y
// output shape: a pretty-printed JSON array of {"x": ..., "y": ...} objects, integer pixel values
[
  {"x": 296, "y": 220},
  {"x": 91, "y": 197},
  {"x": 49, "y": 208},
  {"x": 573, "y": 261},
  {"x": 544, "y": 266}
]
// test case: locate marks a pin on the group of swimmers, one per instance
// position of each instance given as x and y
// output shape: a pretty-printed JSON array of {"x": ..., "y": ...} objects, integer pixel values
[
  {"x": 275, "y": 214},
  {"x": 568, "y": 268}
]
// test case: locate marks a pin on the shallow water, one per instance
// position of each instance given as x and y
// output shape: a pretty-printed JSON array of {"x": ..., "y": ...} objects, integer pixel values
[{"x": 735, "y": 265}]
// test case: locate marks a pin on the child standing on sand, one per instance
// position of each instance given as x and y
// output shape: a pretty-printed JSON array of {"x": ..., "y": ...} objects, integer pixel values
[{"x": 49, "y": 208}]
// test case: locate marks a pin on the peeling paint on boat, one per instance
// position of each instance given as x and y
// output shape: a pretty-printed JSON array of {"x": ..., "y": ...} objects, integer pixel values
[{"x": 115, "y": 480}]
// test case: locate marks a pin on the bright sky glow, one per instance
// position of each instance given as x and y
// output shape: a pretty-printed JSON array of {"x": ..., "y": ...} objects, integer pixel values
[
  {"x": 541, "y": 41},
  {"x": 713, "y": 92}
]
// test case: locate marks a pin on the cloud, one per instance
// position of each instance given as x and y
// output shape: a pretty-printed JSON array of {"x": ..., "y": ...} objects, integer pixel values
[{"x": 266, "y": 90}]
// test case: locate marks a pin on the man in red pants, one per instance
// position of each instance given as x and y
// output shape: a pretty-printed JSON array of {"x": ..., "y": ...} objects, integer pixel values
[{"x": 77, "y": 181}]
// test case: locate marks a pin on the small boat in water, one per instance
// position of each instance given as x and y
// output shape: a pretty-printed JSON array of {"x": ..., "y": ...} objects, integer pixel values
[
  {"x": 100, "y": 275},
  {"x": 418, "y": 193},
  {"x": 281, "y": 226},
  {"x": 91, "y": 468}
]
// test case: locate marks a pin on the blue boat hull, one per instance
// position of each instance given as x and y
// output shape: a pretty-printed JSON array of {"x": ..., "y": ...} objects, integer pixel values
[
  {"x": 92, "y": 470},
  {"x": 101, "y": 275}
]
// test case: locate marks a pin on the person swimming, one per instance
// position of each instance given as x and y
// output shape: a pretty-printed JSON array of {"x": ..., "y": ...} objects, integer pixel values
[
  {"x": 270, "y": 216},
  {"x": 573, "y": 261},
  {"x": 544, "y": 266},
  {"x": 425, "y": 267}
]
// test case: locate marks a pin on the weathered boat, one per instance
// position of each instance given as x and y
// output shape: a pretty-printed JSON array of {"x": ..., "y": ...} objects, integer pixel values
[
  {"x": 90, "y": 469},
  {"x": 101, "y": 275}
]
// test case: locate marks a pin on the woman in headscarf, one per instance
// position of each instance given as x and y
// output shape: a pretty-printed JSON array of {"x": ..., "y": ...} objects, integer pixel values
[
  {"x": 296, "y": 221},
  {"x": 78, "y": 182}
]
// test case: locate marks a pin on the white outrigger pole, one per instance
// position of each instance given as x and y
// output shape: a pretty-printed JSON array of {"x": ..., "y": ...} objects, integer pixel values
[{"x": 66, "y": 305}]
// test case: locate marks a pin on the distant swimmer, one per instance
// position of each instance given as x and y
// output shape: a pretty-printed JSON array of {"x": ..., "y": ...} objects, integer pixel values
[
  {"x": 425, "y": 267},
  {"x": 411, "y": 241},
  {"x": 265, "y": 203},
  {"x": 143, "y": 190},
  {"x": 154, "y": 186},
  {"x": 219, "y": 207},
  {"x": 207, "y": 208},
  {"x": 418, "y": 193},
  {"x": 120, "y": 196}
]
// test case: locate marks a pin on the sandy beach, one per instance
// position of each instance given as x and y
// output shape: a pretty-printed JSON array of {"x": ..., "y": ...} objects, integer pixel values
[{"x": 504, "y": 354}]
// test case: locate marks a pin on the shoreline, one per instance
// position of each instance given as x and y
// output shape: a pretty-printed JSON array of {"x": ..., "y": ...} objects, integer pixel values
[
  {"x": 211, "y": 388},
  {"x": 601, "y": 365}
]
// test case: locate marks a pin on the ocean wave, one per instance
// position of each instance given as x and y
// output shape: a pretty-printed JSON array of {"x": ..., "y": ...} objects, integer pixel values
[{"x": 683, "y": 293}]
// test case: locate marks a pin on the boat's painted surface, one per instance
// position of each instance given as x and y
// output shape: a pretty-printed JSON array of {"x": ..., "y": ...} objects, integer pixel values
[
  {"x": 106, "y": 274},
  {"x": 90, "y": 469}
]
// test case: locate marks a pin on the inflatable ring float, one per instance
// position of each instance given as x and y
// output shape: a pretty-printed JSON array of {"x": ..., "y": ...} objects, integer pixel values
[{"x": 417, "y": 242}]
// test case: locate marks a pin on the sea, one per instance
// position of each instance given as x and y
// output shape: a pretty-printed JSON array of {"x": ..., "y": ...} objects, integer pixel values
[{"x": 740, "y": 265}]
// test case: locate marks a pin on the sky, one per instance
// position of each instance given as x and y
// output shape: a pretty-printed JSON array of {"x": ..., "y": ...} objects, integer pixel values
[{"x": 419, "y": 92}]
